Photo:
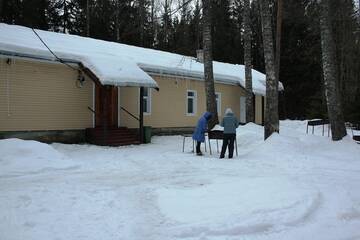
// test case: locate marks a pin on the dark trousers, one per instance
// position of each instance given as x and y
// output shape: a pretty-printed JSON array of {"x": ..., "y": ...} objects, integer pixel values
[
  {"x": 198, "y": 146},
  {"x": 228, "y": 140}
]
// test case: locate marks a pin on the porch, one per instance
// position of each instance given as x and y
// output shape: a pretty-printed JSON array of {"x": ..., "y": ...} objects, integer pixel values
[{"x": 106, "y": 130}]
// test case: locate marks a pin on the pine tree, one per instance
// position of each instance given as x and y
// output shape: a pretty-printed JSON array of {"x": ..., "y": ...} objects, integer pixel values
[
  {"x": 257, "y": 51},
  {"x": 223, "y": 31},
  {"x": 330, "y": 73},
  {"x": 301, "y": 61},
  {"x": 195, "y": 28}
]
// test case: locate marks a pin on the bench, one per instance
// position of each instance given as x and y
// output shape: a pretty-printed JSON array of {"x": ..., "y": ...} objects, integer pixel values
[
  {"x": 314, "y": 123},
  {"x": 218, "y": 134},
  {"x": 356, "y": 127}
]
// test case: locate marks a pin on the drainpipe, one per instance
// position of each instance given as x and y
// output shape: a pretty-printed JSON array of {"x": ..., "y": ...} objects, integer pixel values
[{"x": 141, "y": 115}]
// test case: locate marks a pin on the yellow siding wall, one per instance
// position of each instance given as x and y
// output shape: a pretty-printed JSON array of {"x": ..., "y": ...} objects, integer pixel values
[
  {"x": 42, "y": 96},
  {"x": 168, "y": 106}
]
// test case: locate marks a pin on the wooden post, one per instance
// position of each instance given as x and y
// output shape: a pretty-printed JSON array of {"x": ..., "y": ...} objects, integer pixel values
[{"x": 141, "y": 115}]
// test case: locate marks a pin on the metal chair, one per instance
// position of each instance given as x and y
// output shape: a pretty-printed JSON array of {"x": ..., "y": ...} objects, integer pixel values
[{"x": 193, "y": 142}]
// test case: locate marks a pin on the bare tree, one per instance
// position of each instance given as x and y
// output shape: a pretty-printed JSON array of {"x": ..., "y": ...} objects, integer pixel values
[
  {"x": 248, "y": 64},
  {"x": 208, "y": 65},
  {"x": 272, "y": 94},
  {"x": 330, "y": 73}
]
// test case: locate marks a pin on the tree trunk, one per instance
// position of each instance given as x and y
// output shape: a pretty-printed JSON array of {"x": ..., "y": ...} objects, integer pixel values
[
  {"x": 65, "y": 17},
  {"x": 87, "y": 18},
  {"x": 208, "y": 65},
  {"x": 338, "y": 130},
  {"x": 272, "y": 94},
  {"x": 278, "y": 38},
  {"x": 117, "y": 25},
  {"x": 142, "y": 20},
  {"x": 166, "y": 17},
  {"x": 152, "y": 23},
  {"x": 247, "y": 61}
]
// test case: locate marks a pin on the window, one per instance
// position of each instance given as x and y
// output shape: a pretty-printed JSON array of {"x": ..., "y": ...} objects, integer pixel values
[
  {"x": 191, "y": 102},
  {"x": 218, "y": 102},
  {"x": 147, "y": 100}
]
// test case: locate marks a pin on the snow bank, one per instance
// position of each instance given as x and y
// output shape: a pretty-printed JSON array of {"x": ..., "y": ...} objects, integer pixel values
[
  {"x": 119, "y": 64},
  {"x": 20, "y": 157}
]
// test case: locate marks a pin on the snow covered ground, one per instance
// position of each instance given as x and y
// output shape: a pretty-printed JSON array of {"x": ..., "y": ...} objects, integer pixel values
[{"x": 293, "y": 186}]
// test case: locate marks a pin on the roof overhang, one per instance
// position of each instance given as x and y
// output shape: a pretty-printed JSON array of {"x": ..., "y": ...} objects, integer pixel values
[{"x": 74, "y": 63}]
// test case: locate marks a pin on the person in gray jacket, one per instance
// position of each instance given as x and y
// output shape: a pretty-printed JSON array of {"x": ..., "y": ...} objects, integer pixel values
[{"x": 230, "y": 123}]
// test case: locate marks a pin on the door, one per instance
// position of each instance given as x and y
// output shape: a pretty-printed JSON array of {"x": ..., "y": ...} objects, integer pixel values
[
  {"x": 243, "y": 109},
  {"x": 106, "y": 106}
]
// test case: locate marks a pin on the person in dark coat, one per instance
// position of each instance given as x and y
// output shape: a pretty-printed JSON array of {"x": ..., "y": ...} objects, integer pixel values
[
  {"x": 199, "y": 133},
  {"x": 230, "y": 123}
]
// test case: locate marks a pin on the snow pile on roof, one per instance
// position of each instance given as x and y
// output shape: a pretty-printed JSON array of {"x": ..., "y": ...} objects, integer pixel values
[
  {"x": 101, "y": 57},
  {"x": 118, "y": 64},
  {"x": 20, "y": 157}
]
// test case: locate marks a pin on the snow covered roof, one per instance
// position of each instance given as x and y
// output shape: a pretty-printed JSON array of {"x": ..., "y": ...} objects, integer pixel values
[{"x": 118, "y": 64}]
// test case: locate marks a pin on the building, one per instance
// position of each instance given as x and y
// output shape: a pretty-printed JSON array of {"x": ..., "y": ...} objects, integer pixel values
[{"x": 54, "y": 86}]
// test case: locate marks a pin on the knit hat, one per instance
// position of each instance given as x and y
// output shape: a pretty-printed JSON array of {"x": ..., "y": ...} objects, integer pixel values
[{"x": 228, "y": 111}]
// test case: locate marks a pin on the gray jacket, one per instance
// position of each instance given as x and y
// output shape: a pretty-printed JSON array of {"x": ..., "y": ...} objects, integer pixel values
[{"x": 230, "y": 123}]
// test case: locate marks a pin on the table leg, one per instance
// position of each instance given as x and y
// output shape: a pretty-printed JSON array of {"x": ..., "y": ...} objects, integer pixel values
[
  {"x": 183, "y": 143},
  {"x": 236, "y": 147},
  {"x": 205, "y": 143},
  {"x": 209, "y": 146}
]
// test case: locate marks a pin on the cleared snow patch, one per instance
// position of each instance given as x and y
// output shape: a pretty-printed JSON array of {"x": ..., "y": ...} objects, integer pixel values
[{"x": 238, "y": 206}]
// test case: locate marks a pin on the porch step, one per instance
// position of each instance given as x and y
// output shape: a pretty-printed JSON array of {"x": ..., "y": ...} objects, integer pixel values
[{"x": 114, "y": 136}]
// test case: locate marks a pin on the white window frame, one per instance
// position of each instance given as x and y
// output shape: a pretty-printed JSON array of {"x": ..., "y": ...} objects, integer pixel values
[
  {"x": 218, "y": 102},
  {"x": 148, "y": 100},
  {"x": 194, "y": 102}
]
